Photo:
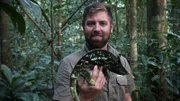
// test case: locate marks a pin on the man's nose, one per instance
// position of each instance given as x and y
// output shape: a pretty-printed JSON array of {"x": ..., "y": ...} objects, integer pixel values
[{"x": 97, "y": 27}]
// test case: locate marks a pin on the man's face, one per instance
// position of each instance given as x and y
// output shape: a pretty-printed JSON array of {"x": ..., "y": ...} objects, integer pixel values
[{"x": 97, "y": 29}]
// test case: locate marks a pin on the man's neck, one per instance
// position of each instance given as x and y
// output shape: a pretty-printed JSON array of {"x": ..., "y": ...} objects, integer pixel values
[{"x": 105, "y": 47}]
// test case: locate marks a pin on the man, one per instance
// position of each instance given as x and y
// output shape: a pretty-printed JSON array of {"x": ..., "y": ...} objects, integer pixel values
[{"x": 97, "y": 25}]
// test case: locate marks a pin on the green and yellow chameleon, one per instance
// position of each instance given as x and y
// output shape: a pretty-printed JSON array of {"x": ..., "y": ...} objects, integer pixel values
[{"x": 85, "y": 65}]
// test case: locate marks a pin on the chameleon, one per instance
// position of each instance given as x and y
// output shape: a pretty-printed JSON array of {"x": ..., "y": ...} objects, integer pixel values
[{"x": 85, "y": 65}]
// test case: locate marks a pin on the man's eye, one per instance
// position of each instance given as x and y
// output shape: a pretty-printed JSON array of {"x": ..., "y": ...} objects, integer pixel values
[
  {"x": 90, "y": 24},
  {"x": 102, "y": 23}
]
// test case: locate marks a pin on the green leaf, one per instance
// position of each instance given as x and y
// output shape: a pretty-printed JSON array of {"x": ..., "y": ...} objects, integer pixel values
[
  {"x": 18, "y": 84},
  {"x": 26, "y": 96},
  {"x": 23, "y": 54},
  {"x": 35, "y": 97},
  {"x": 162, "y": 57},
  {"x": 40, "y": 67},
  {"x": 152, "y": 63},
  {"x": 16, "y": 17},
  {"x": 154, "y": 78},
  {"x": 46, "y": 59},
  {"x": 172, "y": 87},
  {"x": 56, "y": 62},
  {"x": 43, "y": 13},
  {"x": 29, "y": 83},
  {"x": 3, "y": 83},
  {"x": 175, "y": 2},
  {"x": 7, "y": 72},
  {"x": 178, "y": 60},
  {"x": 171, "y": 36},
  {"x": 169, "y": 82}
]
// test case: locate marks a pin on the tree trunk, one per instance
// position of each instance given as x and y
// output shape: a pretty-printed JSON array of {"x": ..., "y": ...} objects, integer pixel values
[
  {"x": 116, "y": 15},
  {"x": 175, "y": 17},
  {"x": 175, "y": 21},
  {"x": 4, "y": 37},
  {"x": 59, "y": 56},
  {"x": 132, "y": 32},
  {"x": 157, "y": 31}
]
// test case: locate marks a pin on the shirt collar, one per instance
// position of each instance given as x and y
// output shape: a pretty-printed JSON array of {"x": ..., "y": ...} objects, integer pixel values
[{"x": 110, "y": 49}]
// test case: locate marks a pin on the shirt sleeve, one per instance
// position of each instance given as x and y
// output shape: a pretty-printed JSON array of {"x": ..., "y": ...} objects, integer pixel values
[
  {"x": 130, "y": 78},
  {"x": 61, "y": 90}
]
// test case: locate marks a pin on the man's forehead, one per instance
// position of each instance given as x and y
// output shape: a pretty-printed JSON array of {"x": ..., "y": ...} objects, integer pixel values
[
  {"x": 101, "y": 15},
  {"x": 96, "y": 12}
]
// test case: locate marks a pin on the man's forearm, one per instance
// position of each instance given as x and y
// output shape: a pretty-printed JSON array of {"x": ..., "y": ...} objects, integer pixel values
[
  {"x": 127, "y": 97},
  {"x": 82, "y": 99}
]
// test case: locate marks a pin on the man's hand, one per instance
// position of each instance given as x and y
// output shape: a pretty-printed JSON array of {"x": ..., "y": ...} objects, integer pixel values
[{"x": 88, "y": 92}]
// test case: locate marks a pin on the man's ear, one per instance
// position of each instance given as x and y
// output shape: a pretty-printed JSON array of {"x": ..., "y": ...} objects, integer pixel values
[
  {"x": 82, "y": 28},
  {"x": 111, "y": 30},
  {"x": 112, "y": 26}
]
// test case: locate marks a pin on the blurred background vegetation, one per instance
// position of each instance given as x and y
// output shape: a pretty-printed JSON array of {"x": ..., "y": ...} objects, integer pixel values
[{"x": 36, "y": 34}]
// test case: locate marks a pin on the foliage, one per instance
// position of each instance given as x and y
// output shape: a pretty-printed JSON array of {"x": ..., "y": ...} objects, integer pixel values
[
  {"x": 22, "y": 86},
  {"x": 167, "y": 64},
  {"x": 31, "y": 78},
  {"x": 16, "y": 18}
]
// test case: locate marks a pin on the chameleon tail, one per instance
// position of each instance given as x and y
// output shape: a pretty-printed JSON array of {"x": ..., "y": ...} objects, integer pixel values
[
  {"x": 74, "y": 79},
  {"x": 73, "y": 90}
]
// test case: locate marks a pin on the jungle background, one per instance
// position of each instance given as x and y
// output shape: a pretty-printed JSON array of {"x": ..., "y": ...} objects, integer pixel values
[{"x": 36, "y": 34}]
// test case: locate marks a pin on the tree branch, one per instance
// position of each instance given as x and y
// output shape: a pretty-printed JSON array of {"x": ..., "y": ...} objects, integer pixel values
[
  {"x": 35, "y": 23},
  {"x": 63, "y": 26}
]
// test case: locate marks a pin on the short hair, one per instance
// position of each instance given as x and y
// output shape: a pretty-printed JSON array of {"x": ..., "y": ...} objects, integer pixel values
[{"x": 95, "y": 7}]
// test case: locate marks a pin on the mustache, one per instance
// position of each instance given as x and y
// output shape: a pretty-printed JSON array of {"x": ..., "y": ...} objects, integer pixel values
[{"x": 97, "y": 34}]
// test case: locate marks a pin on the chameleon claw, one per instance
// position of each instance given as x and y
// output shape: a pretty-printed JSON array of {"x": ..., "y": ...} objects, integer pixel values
[{"x": 92, "y": 82}]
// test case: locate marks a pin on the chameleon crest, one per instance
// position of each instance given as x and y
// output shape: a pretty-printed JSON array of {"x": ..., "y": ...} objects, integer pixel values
[{"x": 85, "y": 65}]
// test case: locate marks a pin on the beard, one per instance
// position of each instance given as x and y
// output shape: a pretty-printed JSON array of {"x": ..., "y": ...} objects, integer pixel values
[{"x": 97, "y": 43}]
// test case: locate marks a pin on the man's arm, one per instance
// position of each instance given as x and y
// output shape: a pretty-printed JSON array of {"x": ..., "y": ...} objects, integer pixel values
[
  {"x": 127, "y": 97},
  {"x": 61, "y": 90},
  {"x": 130, "y": 78}
]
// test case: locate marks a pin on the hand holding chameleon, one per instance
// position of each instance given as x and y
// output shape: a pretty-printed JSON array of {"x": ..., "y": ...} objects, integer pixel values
[{"x": 87, "y": 92}]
